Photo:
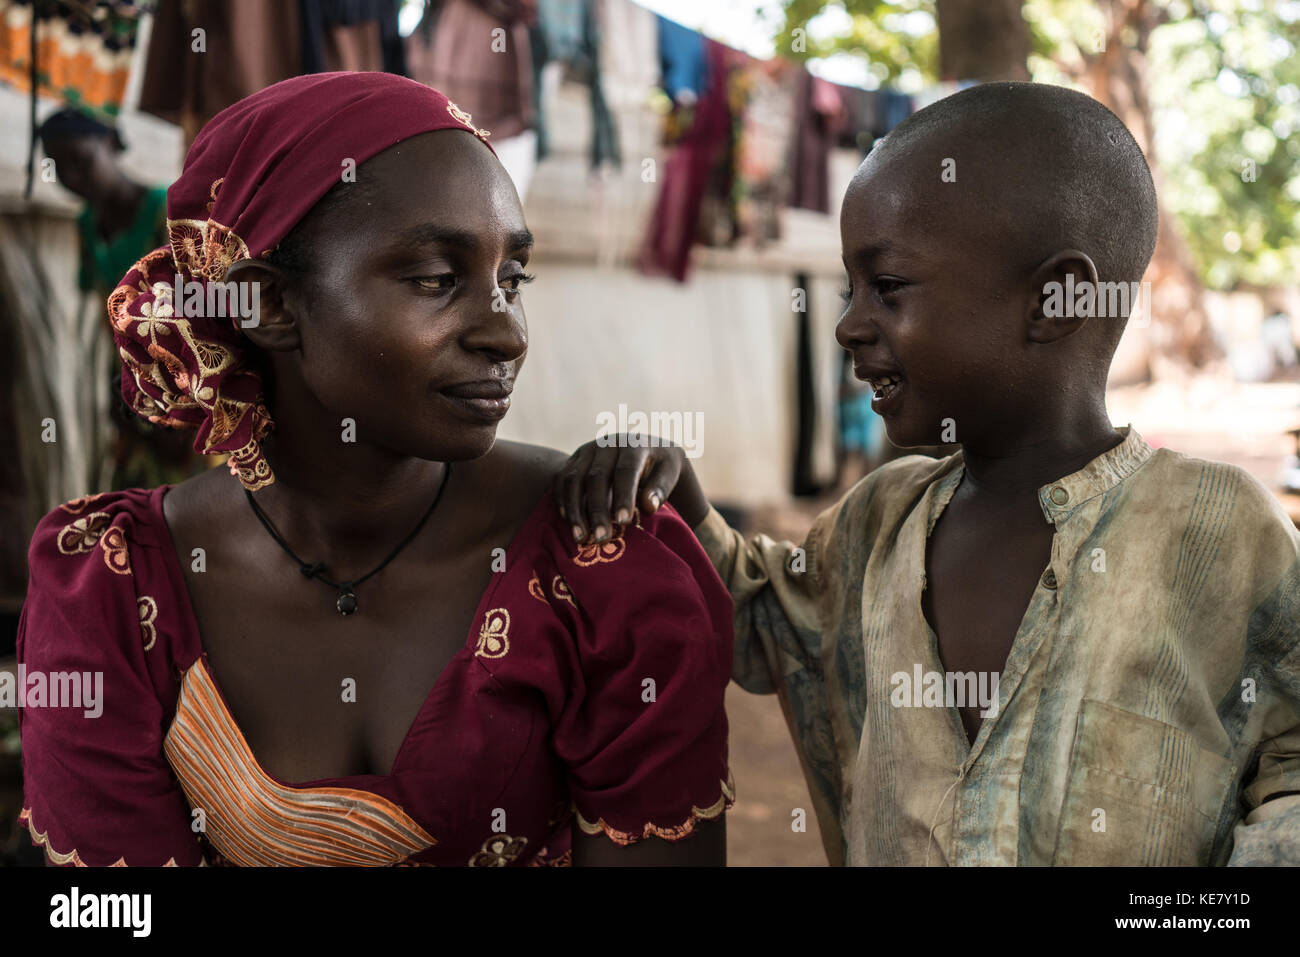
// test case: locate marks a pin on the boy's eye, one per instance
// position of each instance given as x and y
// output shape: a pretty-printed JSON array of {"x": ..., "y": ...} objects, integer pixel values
[
  {"x": 847, "y": 292},
  {"x": 885, "y": 286}
]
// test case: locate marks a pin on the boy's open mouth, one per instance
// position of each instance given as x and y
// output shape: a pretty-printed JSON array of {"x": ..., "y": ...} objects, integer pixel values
[{"x": 883, "y": 386}]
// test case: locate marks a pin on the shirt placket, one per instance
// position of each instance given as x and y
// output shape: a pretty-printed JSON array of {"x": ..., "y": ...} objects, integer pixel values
[{"x": 997, "y": 756}]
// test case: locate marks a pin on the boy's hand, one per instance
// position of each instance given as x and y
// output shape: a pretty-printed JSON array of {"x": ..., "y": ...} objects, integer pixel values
[{"x": 610, "y": 480}]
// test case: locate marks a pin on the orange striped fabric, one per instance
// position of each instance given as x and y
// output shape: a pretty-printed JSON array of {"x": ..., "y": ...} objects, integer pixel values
[{"x": 253, "y": 820}]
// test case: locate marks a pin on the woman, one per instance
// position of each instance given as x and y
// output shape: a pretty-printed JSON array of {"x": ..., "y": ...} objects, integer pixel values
[{"x": 380, "y": 645}]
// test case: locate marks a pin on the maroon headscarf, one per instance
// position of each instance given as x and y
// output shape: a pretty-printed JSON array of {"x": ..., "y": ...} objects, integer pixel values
[{"x": 252, "y": 173}]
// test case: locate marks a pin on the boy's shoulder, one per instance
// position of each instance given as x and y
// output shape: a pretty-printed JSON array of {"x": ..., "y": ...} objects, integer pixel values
[
  {"x": 885, "y": 496},
  {"x": 1198, "y": 487},
  {"x": 1192, "y": 496}
]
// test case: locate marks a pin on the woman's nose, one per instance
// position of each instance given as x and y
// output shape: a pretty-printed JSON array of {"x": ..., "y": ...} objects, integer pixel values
[{"x": 497, "y": 327}]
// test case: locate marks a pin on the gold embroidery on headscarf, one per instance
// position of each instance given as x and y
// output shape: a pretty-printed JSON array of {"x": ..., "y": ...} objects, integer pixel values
[{"x": 461, "y": 116}]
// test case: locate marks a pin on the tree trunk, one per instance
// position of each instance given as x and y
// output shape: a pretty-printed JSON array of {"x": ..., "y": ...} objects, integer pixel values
[
  {"x": 982, "y": 40},
  {"x": 1117, "y": 76}
]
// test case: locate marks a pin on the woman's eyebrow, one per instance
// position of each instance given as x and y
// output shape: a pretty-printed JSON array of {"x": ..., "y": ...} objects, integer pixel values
[{"x": 428, "y": 234}]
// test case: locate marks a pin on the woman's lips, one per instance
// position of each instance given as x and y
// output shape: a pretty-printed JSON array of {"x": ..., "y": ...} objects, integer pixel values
[{"x": 489, "y": 399}]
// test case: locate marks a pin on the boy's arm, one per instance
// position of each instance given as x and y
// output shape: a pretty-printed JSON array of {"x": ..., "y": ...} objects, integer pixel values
[
  {"x": 774, "y": 590},
  {"x": 1269, "y": 834}
]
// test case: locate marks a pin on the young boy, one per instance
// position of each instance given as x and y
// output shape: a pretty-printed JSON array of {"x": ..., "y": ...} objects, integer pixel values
[{"x": 1057, "y": 646}]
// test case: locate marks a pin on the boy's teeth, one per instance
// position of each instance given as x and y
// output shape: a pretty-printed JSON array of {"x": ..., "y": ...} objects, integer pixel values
[{"x": 884, "y": 385}]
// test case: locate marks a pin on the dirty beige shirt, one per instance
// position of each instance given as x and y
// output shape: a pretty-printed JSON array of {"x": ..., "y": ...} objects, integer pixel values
[{"x": 1149, "y": 707}]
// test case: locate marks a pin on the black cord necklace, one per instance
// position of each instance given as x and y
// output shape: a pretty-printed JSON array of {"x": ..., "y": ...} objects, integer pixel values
[{"x": 347, "y": 600}]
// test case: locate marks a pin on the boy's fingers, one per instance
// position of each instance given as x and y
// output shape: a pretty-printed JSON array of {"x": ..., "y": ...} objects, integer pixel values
[
  {"x": 596, "y": 487},
  {"x": 570, "y": 481},
  {"x": 560, "y": 486},
  {"x": 627, "y": 472},
  {"x": 660, "y": 481}
]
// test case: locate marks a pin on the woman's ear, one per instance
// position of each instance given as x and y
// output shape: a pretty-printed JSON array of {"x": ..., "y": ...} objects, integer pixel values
[
  {"x": 273, "y": 310},
  {"x": 1065, "y": 288}
]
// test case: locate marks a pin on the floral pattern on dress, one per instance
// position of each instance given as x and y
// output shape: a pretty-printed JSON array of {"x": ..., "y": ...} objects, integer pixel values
[
  {"x": 498, "y": 851},
  {"x": 494, "y": 636},
  {"x": 597, "y": 552},
  {"x": 116, "y": 555},
  {"x": 79, "y": 505},
  {"x": 148, "y": 609},
  {"x": 81, "y": 535},
  {"x": 560, "y": 589}
]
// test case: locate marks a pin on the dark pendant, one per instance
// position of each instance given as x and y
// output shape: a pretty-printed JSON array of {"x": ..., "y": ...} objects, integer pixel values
[{"x": 347, "y": 602}]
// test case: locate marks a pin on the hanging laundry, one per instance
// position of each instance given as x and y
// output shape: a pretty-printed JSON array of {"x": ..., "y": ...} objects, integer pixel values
[
  {"x": 351, "y": 35},
  {"x": 871, "y": 114},
  {"x": 244, "y": 45},
  {"x": 481, "y": 62},
  {"x": 938, "y": 91},
  {"x": 684, "y": 62},
  {"x": 700, "y": 137},
  {"x": 83, "y": 54},
  {"x": 629, "y": 54},
  {"x": 820, "y": 119},
  {"x": 568, "y": 33},
  {"x": 863, "y": 116},
  {"x": 897, "y": 107},
  {"x": 766, "y": 130}
]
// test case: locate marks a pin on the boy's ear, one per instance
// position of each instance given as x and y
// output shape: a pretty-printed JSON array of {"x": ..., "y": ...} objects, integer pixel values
[
  {"x": 1062, "y": 304},
  {"x": 277, "y": 315}
]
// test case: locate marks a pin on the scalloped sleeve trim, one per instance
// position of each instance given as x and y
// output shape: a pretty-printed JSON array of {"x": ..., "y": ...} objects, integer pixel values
[
  {"x": 41, "y": 839},
  {"x": 725, "y": 800}
]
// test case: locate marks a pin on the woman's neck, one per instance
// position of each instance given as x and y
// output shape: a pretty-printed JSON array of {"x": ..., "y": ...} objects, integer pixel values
[{"x": 349, "y": 505}]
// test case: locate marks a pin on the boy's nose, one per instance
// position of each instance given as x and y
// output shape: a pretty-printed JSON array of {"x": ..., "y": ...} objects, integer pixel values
[{"x": 853, "y": 331}]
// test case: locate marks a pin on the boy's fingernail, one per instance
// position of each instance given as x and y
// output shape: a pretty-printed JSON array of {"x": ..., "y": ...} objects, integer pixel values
[
  {"x": 600, "y": 533},
  {"x": 623, "y": 516},
  {"x": 655, "y": 500},
  {"x": 577, "y": 533}
]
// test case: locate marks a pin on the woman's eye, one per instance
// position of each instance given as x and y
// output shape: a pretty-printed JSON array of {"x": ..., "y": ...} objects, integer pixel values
[
  {"x": 440, "y": 282},
  {"x": 512, "y": 283},
  {"x": 847, "y": 293}
]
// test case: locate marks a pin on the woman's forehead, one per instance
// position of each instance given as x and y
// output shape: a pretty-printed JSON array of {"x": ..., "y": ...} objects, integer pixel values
[{"x": 429, "y": 186}]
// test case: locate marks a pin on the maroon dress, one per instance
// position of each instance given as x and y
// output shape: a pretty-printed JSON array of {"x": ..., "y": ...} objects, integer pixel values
[{"x": 589, "y": 689}]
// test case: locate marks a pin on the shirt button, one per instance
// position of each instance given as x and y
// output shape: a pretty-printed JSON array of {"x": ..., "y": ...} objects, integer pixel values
[
  {"x": 1049, "y": 579},
  {"x": 1059, "y": 495}
]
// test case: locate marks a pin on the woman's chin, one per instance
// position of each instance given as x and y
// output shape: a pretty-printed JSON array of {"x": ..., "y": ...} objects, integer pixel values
[{"x": 469, "y": 444}]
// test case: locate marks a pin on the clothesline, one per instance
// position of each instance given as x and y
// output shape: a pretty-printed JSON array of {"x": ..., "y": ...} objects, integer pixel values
[{"x": 744, "y": 137}]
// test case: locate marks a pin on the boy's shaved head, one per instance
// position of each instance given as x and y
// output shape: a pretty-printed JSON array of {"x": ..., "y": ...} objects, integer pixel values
[
  {"x": 959, "y": 231},
  {"x": 1063, "y": 171}
]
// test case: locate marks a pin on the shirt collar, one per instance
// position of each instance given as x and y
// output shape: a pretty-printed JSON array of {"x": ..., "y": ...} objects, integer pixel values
[{"x": 1061, "y": 497}]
